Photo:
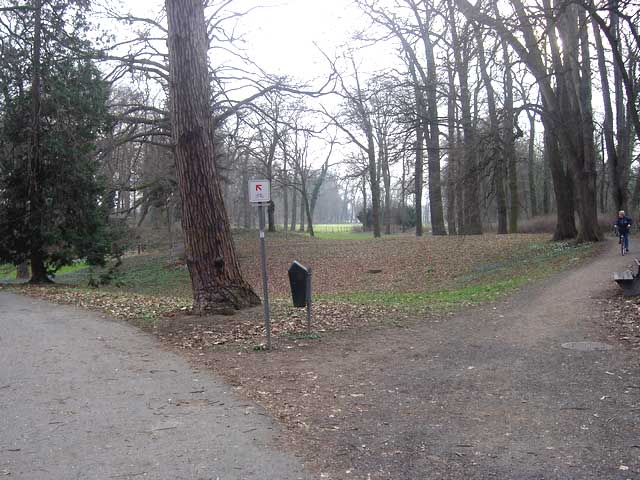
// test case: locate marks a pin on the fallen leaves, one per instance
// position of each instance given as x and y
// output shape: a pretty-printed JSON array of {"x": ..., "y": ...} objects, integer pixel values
[{"x": 124, "y": 306}]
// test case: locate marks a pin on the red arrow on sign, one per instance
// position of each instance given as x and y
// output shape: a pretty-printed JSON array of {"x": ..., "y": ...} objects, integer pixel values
[{"x": 258, "y": 188}]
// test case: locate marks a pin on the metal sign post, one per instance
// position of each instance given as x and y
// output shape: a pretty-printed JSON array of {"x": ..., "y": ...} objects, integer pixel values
[
  {"x": 265, "y": 280},
  {"x": 309, "y": 303},
  {"x": 260, "y": 196}
]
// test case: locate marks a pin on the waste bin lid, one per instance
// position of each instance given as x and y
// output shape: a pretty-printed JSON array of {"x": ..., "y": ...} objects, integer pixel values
[{"x": 297, "y": 267}]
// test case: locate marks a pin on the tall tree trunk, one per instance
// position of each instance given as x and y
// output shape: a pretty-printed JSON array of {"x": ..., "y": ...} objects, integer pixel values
[
  {"x": 623, "y": 127},
  {"x": 620, "y": 191},
  {"x": 471, "y": 184},
  {"x": 603, "y": 192},
  {"x": 247, "y": 210},
  {"x": 431, "y": 126},
  {"x": 294, "y": 205},
  {"x": 374, "y": 185},
  {"x": 546, "y": 190},
  {"x": 451, "y": 157},
  {"x": 562, "y": 186},
  {"x": 496, "y": 143},
  {"x": 271, "y": 215},
  {"x": 216, "y": 278},
  {"x": 309, "y": 214},
  {"x": 419, "y": 149},
  {"x": 285, "y": 190},
  {"x": 303, "y": 196},
  {"x": 509, "y": 142},
  {"x": 531, "y": 156},
  {"x": 36, "y": 202},
  {"x": 383, "y": 157}
]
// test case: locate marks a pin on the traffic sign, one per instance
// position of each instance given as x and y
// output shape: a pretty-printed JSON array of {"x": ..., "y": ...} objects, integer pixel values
[{"x": 259, "y": 191}]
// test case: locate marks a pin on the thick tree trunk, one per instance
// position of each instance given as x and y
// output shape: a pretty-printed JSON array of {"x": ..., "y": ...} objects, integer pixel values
[
  {"x": 38, "y": 269},
  {"x": 584, "y": 161},
  {"x": 562, "y": 186},
  {"x": 218, "y": 285}
]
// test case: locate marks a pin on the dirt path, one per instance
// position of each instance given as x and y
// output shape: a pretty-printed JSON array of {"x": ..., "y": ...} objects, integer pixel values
[
  {"x": 488, "y": 394},
  {"x": 86, "y": 398}
]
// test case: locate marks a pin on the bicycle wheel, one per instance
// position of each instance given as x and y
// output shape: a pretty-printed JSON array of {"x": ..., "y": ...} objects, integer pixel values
[{"x": 622, "y": 245}]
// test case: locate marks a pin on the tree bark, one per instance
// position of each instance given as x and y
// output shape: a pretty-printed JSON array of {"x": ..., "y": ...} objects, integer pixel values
[
  {"x": 509, "y": 142},
  {"x": 562, "y": 186},
  {"x": 471, "y": 184},
  {"x": 302, "y": 209},
  {"x": 22, "y": 271},
  {"x": 294, "y": 205},
  {"x": 431, "y": 127},
  {"x": 620, "y": 191},
  {"x": 285, "y": 189},
  {"x": 495, "y": 143},
  {"x": 218, "y": 285},
  {"x": 419, "y": 149},
  {"x": 451, "y": 157},
  {"x": 36, "y": 202},
  {"x": 531, "y": 155}
]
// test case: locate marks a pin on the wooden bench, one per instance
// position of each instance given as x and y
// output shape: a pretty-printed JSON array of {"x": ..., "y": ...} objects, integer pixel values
[{"x": 629, "y": 282}]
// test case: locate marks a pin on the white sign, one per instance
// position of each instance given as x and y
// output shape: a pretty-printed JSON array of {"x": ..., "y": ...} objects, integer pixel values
[{"x": 259, "y": 191}]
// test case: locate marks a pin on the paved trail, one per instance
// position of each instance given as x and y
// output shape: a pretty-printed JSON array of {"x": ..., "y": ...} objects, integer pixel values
[{"x": 82, "y": 397}]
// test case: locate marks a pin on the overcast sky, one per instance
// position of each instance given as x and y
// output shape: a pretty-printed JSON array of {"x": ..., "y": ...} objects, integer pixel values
[{"x": 281, "y": 35}]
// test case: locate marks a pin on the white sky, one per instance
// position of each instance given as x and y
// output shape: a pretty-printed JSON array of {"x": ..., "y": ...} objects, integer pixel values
[{"x": 281, "y": 35}]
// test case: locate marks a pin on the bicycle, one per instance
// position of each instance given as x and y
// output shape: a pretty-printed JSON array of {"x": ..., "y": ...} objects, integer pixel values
[{"x": 621, "y": 238}]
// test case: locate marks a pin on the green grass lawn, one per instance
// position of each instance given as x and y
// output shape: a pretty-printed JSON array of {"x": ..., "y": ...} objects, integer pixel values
[{"x": 8, "y": 272}]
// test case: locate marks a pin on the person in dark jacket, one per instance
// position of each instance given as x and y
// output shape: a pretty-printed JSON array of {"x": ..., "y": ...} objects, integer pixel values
[{"x": 623, "y": 226}]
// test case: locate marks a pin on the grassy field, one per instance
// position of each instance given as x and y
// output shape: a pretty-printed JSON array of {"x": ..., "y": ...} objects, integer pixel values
[{"x": 337, "y": 231}]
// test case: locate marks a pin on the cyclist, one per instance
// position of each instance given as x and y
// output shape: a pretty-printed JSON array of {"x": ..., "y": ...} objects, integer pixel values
[{"x": 623, "y": 226}]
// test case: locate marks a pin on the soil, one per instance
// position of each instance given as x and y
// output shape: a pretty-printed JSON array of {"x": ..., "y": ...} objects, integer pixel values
[{"x": 488, "y": 393}]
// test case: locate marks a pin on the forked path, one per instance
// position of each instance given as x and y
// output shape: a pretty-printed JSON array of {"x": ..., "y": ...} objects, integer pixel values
[
  {"x": 85, "y": 398},
  {"x": 493, "y": 393}
]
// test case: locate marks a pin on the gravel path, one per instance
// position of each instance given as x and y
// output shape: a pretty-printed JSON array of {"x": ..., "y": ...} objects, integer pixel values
[{"x": 86, "y": 398}]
